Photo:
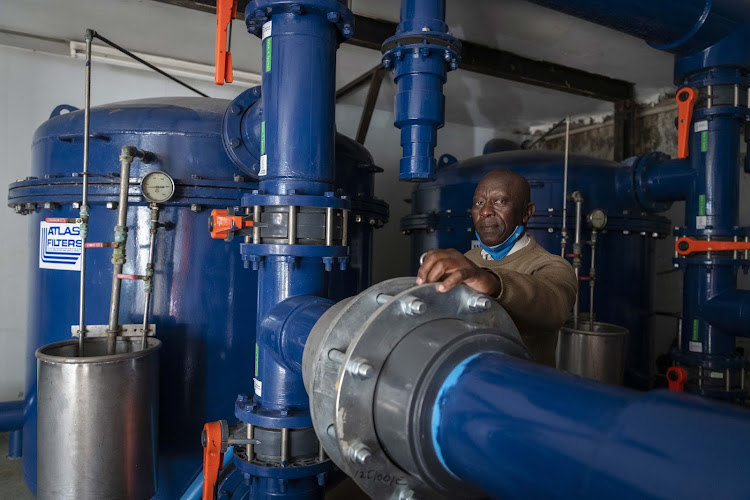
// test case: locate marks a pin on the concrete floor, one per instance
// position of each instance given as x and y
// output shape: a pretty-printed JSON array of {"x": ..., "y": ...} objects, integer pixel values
[{"x": 12, "y": 486}]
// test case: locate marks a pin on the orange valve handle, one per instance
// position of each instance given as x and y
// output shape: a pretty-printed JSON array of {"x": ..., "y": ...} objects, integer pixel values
[
  {"x": 676, "y": 377},
  {"x": 686, "y": 98},
  {"x": 686, "y": 246},
  {"x": 220, "y": 224},
  {"x": 226, "y": 10},
  {"x": 213, "y": 458}
]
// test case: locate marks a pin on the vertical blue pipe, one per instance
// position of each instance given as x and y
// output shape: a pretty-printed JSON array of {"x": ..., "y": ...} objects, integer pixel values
[
  {"x": 518, "y": 430},
  {"x": 15, "y": 444},
  {"x": 421, "y": 54}
]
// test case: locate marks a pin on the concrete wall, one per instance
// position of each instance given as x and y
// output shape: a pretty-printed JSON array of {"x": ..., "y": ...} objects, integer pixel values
[{"x": 654, "y": 131}]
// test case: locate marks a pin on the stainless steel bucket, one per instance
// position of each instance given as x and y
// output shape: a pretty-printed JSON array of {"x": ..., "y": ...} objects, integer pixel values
[
  {"x": 597, "y": 354},
  {"x": 97, "y": 424}
]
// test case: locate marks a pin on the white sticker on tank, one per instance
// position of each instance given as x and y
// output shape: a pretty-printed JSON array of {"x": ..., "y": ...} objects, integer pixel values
[
  {"x": 263, "y": 165},
  {"x": 701, "y": 126},
  {"x": 700, "y": 222},
  {"x": 60, "y": 246},
  {"x": 695, "y": 347},
  {"x": 258, "y": 386},
  {"x": 266, "y": 30}
]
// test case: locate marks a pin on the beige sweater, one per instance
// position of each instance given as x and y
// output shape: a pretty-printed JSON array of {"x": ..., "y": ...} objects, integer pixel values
[{"x": 538, "y": 291}]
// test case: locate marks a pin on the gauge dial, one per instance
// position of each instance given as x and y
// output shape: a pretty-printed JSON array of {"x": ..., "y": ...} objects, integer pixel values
[
  {"x": 598, "y": 219},
  {"x": 157, "y": 187}
]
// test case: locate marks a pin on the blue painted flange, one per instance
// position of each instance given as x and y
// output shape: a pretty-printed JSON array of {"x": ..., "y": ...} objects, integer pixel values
[
  {"x": 264, "y": 470},
  {"x": 251, "y": 412},
  {"x": 298, "y": 200}
]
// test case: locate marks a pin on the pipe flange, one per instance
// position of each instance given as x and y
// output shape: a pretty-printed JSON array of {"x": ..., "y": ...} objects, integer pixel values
[{"x": 343, "y": 360}]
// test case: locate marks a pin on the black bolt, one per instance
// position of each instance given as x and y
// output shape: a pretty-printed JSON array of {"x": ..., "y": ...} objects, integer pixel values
[
  {"x": 683, "y": 96},
  {"x": 672, "y": 375},
  {"x": 204, "y": 438},
  {"x": 683, "y": 245}
]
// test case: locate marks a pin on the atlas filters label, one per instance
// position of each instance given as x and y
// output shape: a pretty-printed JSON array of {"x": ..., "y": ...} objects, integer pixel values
[{"x": 60, "y": 246}]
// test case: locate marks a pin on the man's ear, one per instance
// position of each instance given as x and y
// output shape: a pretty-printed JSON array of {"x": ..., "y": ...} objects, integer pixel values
[{"x": 529, "y": 212}]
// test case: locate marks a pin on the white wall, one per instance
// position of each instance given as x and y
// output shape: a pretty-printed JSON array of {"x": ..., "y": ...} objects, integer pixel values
[{"x": 31, "y": 85}]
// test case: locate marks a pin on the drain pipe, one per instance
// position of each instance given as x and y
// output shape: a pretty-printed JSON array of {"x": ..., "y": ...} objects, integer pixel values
[
  {"x": 127, "y": 155},
  {"x": 420, "y": 54}
]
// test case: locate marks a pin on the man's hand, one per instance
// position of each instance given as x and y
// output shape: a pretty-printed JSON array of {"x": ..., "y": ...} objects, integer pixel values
[{"x": 452, "y": 267}]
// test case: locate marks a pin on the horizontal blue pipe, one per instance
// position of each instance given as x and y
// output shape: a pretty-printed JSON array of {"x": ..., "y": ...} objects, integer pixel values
[
  {"x": 729, "y": 311},
  {"x": 518, "y": 430},
  {"x": 669, "y": 181},
  {"x": 677, "y": 26},
  {"x": 11, "y": 416}
]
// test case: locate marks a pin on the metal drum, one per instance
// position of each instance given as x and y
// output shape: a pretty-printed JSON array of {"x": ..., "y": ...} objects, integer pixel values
[
  {"x": 97, "y": 420},
  {"x": 597, "y": 354}
]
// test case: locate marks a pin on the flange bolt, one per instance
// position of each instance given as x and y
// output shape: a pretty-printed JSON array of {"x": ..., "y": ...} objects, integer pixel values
[
  {"x": 360, "y": 368},
  {"x": 413, "y": 306},
  {"x": 359, "y": 453},
  {"x": 479, "y": 303}
]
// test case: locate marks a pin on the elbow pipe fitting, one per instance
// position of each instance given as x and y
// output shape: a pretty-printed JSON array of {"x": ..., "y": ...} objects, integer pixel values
[
  {"x": 129, "y": 153},
  {"x": 420, "y": 54},
  {"x": 729, "y": 311},
  {"x": 284, "y": 331}
]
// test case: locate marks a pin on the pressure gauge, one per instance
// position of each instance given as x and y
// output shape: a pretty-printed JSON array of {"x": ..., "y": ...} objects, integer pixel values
[
  {"x": 598, "y": 219},
  {"x": 157, "y": 187}
]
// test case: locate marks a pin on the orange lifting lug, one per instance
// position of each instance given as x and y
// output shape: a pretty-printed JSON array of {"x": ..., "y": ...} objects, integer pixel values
[
  {"x": 676, "y": 377},
  {"x": 686, "y": 246},
  {"x": 685, "y": 98},
  {"x": 226, "y": 10},
  {"x": 214, "y": 437},
  {"x": 222, "y": 225}
]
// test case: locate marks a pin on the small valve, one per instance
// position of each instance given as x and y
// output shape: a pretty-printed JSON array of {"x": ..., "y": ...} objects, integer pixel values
[
  {"x": 222, "y": 225},
  {"x": 686, "y": 98},
  {"x": 676, "y": 377}
]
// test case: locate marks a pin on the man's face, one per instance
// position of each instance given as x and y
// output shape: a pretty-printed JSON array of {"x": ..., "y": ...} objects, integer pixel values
[{"x": 499, "y": 206}]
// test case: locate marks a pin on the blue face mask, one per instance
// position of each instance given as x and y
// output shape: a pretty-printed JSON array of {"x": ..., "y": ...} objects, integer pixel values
[{"x": 499, "y": 251}]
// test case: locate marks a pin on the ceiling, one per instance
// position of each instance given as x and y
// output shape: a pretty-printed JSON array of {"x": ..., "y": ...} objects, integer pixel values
[{"x": 472, "y": 99}]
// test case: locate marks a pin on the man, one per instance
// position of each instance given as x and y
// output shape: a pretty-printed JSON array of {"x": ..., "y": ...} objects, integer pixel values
[{"x": 537, "y": 289}]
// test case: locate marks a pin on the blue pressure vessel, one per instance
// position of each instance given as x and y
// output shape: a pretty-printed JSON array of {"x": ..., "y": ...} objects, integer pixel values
[
  {"x": 204, "y": 301},
  {"x": 441, "y": 218}
]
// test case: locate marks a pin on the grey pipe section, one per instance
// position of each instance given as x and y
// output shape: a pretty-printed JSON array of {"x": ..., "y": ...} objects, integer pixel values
[
  {"x": 677, "y": 26},
  {"x": 148, "y": 285},
  {"x": 578, "y": 199},
  {"x": 127, "y": 154}
]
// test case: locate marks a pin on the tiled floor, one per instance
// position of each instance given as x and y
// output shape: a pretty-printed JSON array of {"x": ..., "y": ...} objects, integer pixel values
[{"x": 12, "y": 486}]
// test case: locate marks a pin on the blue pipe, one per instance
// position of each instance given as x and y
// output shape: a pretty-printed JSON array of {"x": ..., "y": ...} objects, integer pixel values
[
  {"x": 677, "y": 26},
  {"x": 729, "y": 311},
  {"x": 15, "y": 444},
  {"x": 518, "y": 430},
  {"x": 11, "y": 416},
  {"x": 421, "y": 54}
]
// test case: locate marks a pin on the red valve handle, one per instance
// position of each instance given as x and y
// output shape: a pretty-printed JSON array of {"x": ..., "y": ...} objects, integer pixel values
[
  {"x": 686, "y": 246},
  {"x": 213, "y": 458},
  {"x": 676, "y": 377},
  {"x": 686, "y": 98}
]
